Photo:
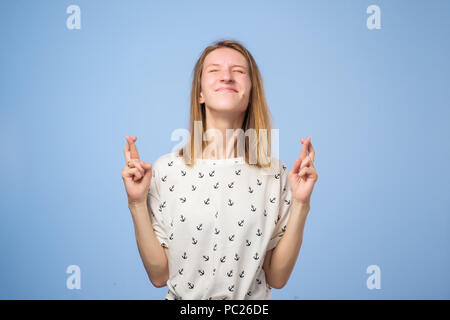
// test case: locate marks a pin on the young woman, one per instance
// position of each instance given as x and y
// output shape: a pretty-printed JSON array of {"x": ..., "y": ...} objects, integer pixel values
[{"x": 216, "y": 220}]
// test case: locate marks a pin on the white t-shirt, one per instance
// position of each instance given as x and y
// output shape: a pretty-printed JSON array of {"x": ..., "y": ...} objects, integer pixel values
[{"x": 217, "y": 220}]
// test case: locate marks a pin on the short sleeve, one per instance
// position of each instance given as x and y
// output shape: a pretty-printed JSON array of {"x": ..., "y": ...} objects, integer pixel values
[
  {"x": 284, "y": 206},
  {"x": 156, "y": 209}
]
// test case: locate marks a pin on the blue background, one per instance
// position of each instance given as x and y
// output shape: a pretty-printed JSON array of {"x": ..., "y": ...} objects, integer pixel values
[{"x": 375, "y": 102}]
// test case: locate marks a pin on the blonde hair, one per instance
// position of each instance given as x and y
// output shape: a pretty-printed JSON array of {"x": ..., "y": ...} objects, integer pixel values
[{"x": 257, "y": 115}]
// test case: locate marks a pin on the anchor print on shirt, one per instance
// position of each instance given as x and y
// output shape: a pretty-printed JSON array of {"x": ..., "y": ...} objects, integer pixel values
[
  {"x": 170, "y": 163},
  {"x": 278, "y": 219},
  {"x": 254, "y": 190}
]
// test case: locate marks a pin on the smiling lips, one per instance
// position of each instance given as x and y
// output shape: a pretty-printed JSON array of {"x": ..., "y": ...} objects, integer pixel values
[{"x": 227, "y": 89}]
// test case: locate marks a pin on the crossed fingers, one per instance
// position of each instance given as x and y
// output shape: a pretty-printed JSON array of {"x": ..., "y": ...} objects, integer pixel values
[{"x": 132, "y": 158}]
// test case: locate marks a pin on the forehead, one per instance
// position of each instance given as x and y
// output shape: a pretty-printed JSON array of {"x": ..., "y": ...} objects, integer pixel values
[{"x": 225, "y": 56}]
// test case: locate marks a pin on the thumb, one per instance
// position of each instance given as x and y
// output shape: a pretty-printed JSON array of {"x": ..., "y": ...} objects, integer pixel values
[
  {"x": 296, "y": 167},
  {"x": 146, "y": 165},
  {"x": 148, "y": 172}
]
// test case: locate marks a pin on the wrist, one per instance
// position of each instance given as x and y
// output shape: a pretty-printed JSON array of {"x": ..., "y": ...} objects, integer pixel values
[
  {"x": 303, "y": 207},
  {"x": 137, "y": 204}
]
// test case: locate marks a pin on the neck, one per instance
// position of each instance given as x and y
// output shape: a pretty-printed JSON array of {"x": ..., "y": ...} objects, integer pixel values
[{"x": 216, "y": 135}]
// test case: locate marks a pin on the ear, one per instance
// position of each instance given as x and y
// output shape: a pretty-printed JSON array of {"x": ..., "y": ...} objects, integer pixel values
[{"x": 202, "y": 100}]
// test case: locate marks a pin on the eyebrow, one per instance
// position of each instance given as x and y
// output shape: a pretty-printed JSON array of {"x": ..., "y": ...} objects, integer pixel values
[{"x": 216, "y": 64}]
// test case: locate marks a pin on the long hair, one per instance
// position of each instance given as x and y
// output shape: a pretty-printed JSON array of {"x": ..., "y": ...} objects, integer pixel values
[{"x": 257, "y": 115}]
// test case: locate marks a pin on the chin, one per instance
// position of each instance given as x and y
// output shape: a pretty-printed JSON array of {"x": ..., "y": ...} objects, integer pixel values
[{"x": 225, "y": 107}]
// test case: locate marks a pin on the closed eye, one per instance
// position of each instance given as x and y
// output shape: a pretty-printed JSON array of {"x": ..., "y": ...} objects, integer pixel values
[{"x": 234, "y": 70}]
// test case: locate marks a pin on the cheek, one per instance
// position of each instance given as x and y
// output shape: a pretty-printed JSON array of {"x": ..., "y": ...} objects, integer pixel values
[
  {"x": 208, "y": 83},
  {"x": 248, "y": 88},
  {"x": 248, "y": 84}
]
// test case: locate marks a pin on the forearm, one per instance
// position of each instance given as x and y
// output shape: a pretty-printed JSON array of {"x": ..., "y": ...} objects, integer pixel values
[
  {"x": 286, "y": 252},
  {"x": 151, "y": 252}
]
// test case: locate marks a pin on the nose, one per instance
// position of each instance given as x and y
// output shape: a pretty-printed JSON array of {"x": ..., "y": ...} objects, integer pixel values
[{"x": 226, "y": 76}]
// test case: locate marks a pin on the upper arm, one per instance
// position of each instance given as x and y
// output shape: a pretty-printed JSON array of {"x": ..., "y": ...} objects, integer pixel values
[
  {"x": 266, "y": 267},
  {"x": 267, "y": 259},
  {"x": 166, "y": 252}
]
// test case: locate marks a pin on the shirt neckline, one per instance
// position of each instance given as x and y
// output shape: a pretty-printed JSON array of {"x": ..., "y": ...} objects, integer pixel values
[{"x": 226, "y": 161}]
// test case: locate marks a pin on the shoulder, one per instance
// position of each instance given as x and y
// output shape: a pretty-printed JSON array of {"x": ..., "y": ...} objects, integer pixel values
[
  {"x": 277, "y": 167},
  {"x": 165, "y": 160},
  {"x": 279, "y": 164}
]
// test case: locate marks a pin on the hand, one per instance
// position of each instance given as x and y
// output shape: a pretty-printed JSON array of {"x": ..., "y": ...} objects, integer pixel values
[
  {"x": 136, "y": 175},
  {"x": 303, "y": 175}
]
